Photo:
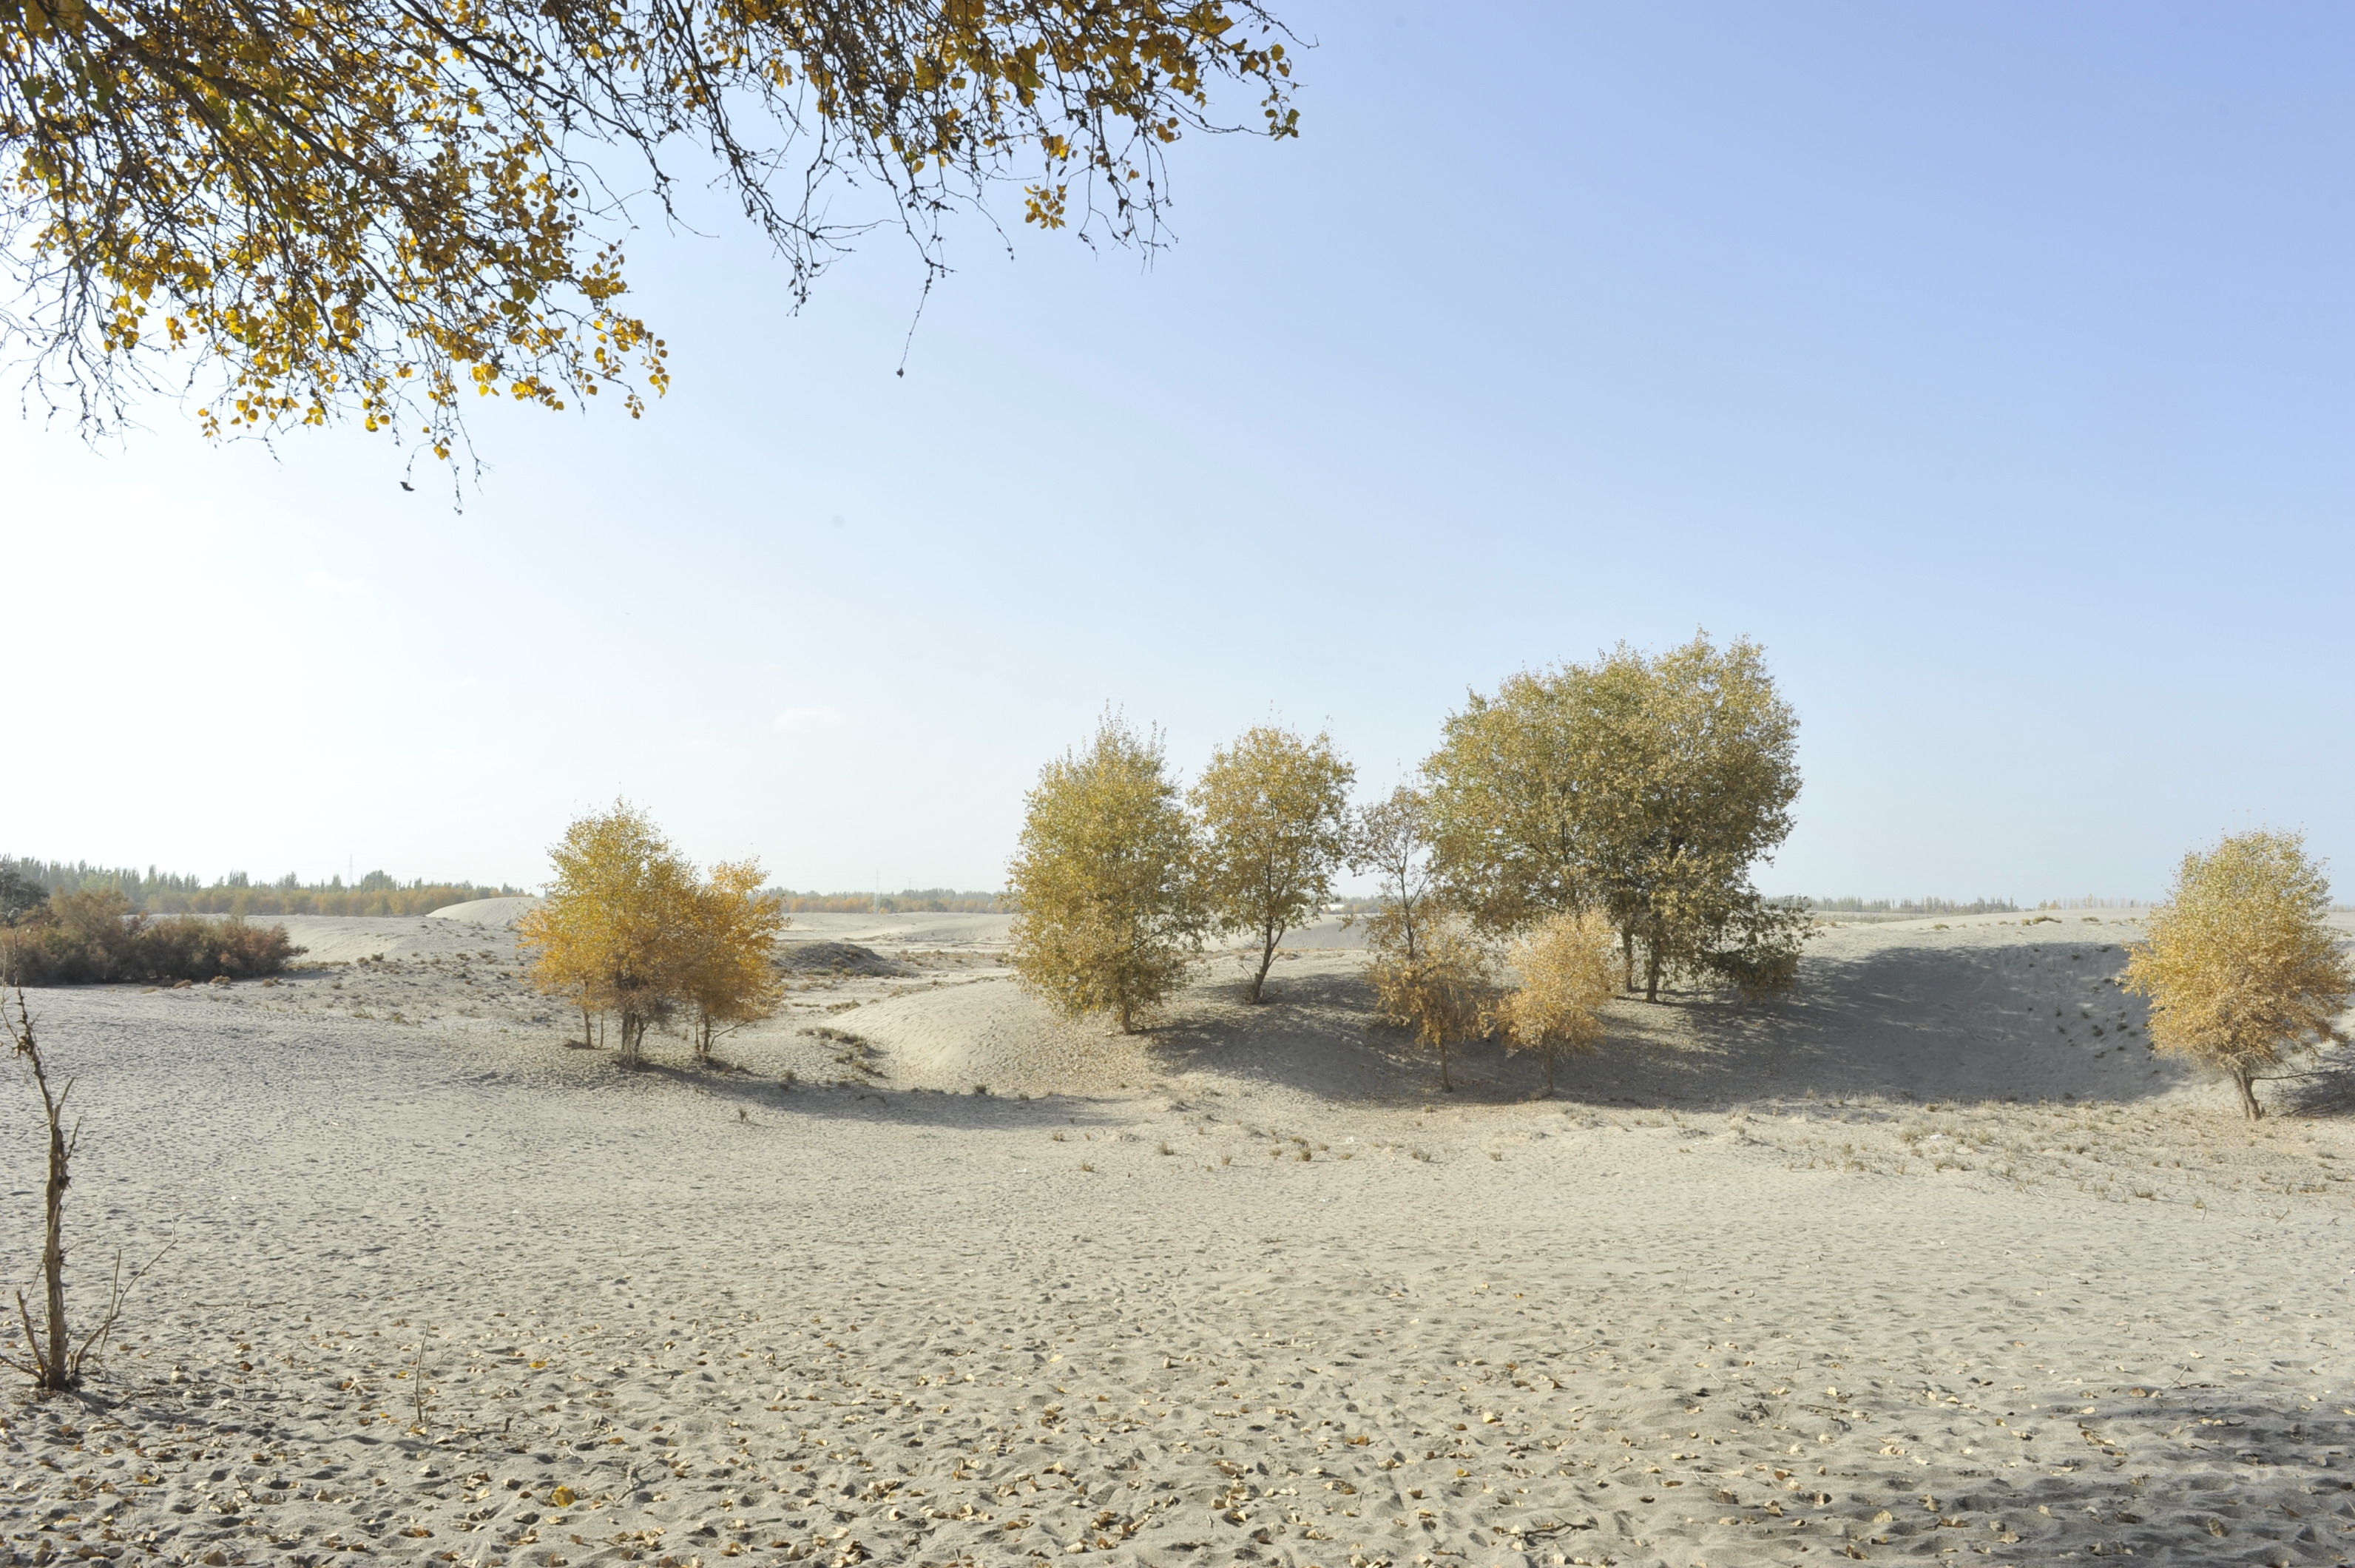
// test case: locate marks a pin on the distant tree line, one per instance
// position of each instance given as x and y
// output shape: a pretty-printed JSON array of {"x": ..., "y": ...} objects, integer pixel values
[
  {"x": 1854, "y": 905},
  {"x": 165, "y": 893},
  {"x": 911, "y": 901}
]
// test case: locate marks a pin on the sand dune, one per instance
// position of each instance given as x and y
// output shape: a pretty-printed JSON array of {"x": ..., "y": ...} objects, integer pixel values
[
  {"x": 487, "y": 911},
  {"x": 918, "y": 930},
  {"x": 1916, "y": 1266}
]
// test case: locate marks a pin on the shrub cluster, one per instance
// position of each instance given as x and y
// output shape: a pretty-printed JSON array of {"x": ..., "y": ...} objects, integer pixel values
[{"x": 95, "y": 936}]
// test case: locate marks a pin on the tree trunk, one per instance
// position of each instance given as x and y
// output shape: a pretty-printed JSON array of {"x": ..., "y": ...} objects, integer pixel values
[
  {"x": 53, "y": 1368},
  {"x": 56, "y": 1373},
  {"x": 1651, "y": 973},
  {"x": 1446, "y": 1085},
  {"x": 1627, "y": 956},
  {"x": 1269, "y": 934},
  {"x": 1549, "y": 1056},
  {"x": 2247, "y": 1085}
]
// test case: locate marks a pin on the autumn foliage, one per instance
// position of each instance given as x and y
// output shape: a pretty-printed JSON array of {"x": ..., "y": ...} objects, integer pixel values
[
  {"x": 1102, "y": 883},
  {"x": 1566, "y": 975},
  {"x": 1390, "y": 840},
  {"x": 98, "y": 936},
  {"x": 1444, "y": 995},
  {"x": 375, "y": 211},
  {"x": 1642, "y": 787},
  {"x": 729, "y": 972},
  {"x": 630, "y": 929},
  {"x": 1275, "y": 812},
  {"x": 2240, "y": 965}
]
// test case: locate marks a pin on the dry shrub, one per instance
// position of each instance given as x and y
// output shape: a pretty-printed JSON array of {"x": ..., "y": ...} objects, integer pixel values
[
  {"x": 1566, "y": 977},
  {"x": 99, "y": 935},
  {"x": 1443, "y": 995}
]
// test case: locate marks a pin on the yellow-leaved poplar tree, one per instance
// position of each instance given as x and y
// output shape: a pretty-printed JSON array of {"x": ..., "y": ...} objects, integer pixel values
[
  {"x": 1444, "y": 995},
  {"x": 1566, "y": 975},
  {"x": 1102, "y": 885},
  {"x": 2239, "y": 965},
  {"x": 1274, "y": 814},
  {"x": 616, "y": 927},
  {"x": 1713, "y": 747},
  {"x": 1643, "y": 787},
  {"x": 1390, "y": 840},
  {"x": 730, "y": 975},
  {"x": 378, "y": 210}
]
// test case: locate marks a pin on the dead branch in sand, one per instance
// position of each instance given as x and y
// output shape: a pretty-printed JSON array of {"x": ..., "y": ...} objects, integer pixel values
[
  {"x": 417, "y": 1384},
  {"x": 59, "y": 1363}
]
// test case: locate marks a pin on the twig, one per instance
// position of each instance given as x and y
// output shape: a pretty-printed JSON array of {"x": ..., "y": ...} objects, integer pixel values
[
  {"x": 117, "y": 1294},
  {"x": 417, "y": 1382}
]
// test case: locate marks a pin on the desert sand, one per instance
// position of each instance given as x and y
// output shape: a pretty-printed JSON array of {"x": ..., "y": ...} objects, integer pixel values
[{"x": 1932, "y": 1262}]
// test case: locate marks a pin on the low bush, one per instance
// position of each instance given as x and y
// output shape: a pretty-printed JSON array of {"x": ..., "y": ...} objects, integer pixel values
[
  {"x": 1445, "y": 994},
  {"x": 93, "y": 937}
]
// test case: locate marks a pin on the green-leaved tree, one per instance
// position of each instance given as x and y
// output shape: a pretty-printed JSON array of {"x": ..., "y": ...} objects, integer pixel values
[{"x": 1710, "y": 770}]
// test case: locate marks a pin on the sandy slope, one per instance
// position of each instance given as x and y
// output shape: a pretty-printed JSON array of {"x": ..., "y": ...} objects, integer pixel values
[{"x": 1914, "y": 1267}]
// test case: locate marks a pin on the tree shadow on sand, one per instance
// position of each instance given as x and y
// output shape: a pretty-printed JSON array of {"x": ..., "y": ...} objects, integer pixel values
[
  {"x": 1934, "y": 1023},
  {"x": 2246, "y": 1480},
  {"x": 760, "y": 1098},
  {"x": 2327, "y": 1089},
  {"x": 1315, "y": 1034}
]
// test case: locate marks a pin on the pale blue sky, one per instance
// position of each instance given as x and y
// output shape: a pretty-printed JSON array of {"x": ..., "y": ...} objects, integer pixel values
[{"x": 1990, "y": 364}]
